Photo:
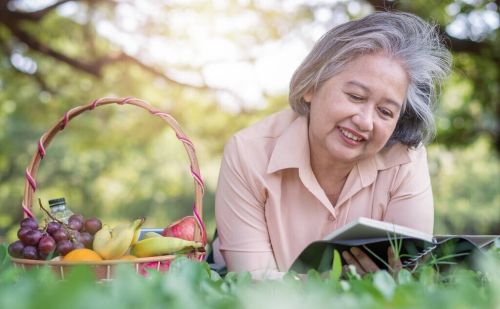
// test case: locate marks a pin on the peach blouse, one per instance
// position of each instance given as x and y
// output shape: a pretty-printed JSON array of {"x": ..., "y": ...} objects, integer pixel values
[{"x": 269, "y": 205}]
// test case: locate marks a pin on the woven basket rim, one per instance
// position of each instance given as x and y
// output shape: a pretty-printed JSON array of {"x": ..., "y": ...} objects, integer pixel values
[
  {"x": 103, "y": 262},
  {"x": 46, "y": 138}
]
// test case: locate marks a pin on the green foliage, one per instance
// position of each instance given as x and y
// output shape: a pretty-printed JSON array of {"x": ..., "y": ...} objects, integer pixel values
[
  {"x": 336, "y": 271},
  {"x": 191, "y": 284},
  {"x": 465, "y": 185},
  {"x": 119, "y": 162}
]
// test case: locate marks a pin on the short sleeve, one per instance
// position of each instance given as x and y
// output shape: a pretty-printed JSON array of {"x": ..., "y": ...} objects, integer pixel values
[
  {"x": 239, "y": 212},
  {"x": 411, "y": 202}
]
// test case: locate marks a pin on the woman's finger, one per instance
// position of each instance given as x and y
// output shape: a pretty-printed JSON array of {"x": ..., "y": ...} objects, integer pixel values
[
  {"x": 352, "y": 261},
  {"x": 364, "y": 260},
  {"x": 394, "y": 263}
]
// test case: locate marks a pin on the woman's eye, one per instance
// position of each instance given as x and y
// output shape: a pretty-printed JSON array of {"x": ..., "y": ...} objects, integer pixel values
[
  {"x": 386, "y": 112},
  {"x": 354, "y": 97}
]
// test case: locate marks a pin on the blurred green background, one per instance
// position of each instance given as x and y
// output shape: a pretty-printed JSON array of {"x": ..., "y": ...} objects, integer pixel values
[{"x": 216, "y": 66}]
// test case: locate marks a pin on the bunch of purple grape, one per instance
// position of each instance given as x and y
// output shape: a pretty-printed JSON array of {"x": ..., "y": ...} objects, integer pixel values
[{"x": 55, "y": 238}]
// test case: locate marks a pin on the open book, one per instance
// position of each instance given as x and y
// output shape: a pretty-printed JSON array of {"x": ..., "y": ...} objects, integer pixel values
[{"x": 375, "y": 237}]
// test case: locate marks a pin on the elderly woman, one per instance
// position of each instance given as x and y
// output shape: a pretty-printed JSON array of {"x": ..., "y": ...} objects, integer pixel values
[{"x": 350, "y": 146}]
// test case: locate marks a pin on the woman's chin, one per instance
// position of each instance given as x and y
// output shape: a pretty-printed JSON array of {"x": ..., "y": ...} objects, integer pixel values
[{"x": 345, "y": 156}]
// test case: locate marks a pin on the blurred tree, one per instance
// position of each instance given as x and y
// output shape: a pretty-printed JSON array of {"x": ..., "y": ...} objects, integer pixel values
[
  {"x": 53, "y": 60},
  {"x": 470, "y": 27},
  {"x": 119, "y": 163},
  {"x": 24, "y": 28}
]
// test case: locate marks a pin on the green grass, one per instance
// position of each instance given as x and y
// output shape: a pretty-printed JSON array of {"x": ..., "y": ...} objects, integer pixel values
[{"x": 193, "y": 285}]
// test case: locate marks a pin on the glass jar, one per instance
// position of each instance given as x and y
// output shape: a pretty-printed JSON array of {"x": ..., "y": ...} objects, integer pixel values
[{"x": 59, "y": 209}]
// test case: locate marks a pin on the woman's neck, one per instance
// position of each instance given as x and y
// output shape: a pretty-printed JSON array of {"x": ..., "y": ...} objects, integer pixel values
[
  {"x": 330, "y": 175},
  {"x": 324, "y": 168}
]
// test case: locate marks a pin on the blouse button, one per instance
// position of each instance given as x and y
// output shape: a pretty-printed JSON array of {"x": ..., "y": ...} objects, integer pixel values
[{"x": 331, "y": 217}]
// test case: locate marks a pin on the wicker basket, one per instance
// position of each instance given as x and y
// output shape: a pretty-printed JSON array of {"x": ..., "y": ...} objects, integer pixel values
[{"x": 105, "y": 269}]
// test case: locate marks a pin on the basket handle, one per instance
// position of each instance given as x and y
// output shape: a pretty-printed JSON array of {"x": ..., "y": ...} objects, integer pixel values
[{"x": 32, "y": 170}]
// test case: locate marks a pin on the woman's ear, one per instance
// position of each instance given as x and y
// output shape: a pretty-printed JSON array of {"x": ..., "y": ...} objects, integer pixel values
[{"x": 308, "y": 96}]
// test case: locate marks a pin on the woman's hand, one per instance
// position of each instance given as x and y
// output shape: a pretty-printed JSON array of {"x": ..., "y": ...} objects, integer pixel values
[{"x": 364, "y": 264}]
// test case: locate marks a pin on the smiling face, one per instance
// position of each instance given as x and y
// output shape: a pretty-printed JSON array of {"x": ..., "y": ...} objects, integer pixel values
[{"x": 354, "y": 113}]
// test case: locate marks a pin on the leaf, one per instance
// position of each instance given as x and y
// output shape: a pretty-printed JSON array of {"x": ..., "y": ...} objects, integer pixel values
[
  {"x": 4, "y": 257},
  {"x": 345, "y": 285},
  {"x": 352, "y": 274},
  {"x": 214, "y": 276},
  {"x": 384, "y": 283},
  {"x": 427, "y": 276},
  {"x": 237, "y": 279},
  {"x": 405, "y": 276},
  {"x": 326, "y": 258},
  {"x": 191, "y": 269},
  {"x": 313, "y": 275},
  {"x": 336, "y": 271}
]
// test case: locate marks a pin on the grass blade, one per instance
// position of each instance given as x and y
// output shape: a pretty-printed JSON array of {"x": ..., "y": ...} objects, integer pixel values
[{"x": 336, "y": 271}]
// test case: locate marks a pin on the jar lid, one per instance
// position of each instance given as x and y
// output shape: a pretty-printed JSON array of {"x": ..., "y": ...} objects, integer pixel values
[{"x": 57, "y": 202}]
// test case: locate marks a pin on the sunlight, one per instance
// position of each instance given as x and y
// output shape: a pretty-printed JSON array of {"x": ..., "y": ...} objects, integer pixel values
[
  {"x": 218, "y": 44},
  {"x": 222, "y": 44}
]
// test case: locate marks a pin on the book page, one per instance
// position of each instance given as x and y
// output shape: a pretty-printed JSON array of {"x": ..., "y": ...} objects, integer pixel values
[
  {"x": 478, "y": 240},
  {"x": 365, "y": 228}
]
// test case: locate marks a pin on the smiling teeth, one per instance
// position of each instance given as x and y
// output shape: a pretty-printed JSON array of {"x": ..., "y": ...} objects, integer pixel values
[{"x": 350, "y": 135}]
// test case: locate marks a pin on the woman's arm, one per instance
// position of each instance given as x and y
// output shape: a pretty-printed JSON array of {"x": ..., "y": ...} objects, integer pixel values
[
  {"x": 239, "y": 213},
  {"x": 411, "y": 203}
]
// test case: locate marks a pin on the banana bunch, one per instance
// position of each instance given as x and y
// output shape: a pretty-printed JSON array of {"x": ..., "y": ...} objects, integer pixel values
[
  {"x": 154, "y": 244},
  {"x": 112, "y": 243}
]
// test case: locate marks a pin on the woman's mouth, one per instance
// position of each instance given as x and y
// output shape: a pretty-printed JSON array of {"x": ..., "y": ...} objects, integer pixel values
[{"x": 351, "y": 136}]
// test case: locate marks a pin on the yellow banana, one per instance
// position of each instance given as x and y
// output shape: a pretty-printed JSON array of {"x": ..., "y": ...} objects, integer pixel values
[
  {"x": 151, "y": 235},
  {"x": 154, "y": 246},
  {"x": 137, "y": 231},
  {"x": 114, "y": 243}
]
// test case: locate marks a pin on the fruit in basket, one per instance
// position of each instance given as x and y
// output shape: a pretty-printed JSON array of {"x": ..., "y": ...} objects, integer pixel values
[
  {"x": 52, "y": 227},
  {"x": 86, "y": 239},
  {"x": 56, "y": 237},
  {"x": 183, "y": 228},
  {"x": 22, "y": 232},
  {"x": 82, "y": 254},
  {"x": 32, "y": 237},
  {"x": 78, "y": 245},
  {"x": 46, "y": 245},
  {"x": 29, "y": 223},
  {"x": 114, "y": 243},
  {"x": 29, "y": 236},
  {"x": 155, "y": 246},
  {"x": 16, "y": 249},
  {"x": 75, "y": 223},
  {"x": 151, "y": 235},
  {"x": 77, "y": 217},
  {"x": 60, "y": 235},
  {"x": 92, "y": 225},
  {"x": 30, "y": 252},
  {"x": 64, "y": 246},
  {"x": 72, "y": 235}
]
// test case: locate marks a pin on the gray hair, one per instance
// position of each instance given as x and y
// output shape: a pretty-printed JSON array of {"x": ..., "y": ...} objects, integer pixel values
[{"x": 407, "y": 38}]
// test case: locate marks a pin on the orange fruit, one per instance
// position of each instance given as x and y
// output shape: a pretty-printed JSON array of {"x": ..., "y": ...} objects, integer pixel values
[{"x": 82, "y": 254}]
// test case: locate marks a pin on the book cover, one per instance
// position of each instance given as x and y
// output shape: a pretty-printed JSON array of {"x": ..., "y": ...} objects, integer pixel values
[
  {"x": 365, "y": 228},
  {"x": 375, "y": 237}
]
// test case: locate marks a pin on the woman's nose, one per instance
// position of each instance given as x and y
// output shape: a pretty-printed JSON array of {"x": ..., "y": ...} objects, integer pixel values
[{"x": 363, "y": 119}]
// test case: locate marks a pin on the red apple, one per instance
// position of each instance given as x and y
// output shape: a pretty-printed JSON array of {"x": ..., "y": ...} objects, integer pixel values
[{"x": 183, "y": 228}]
